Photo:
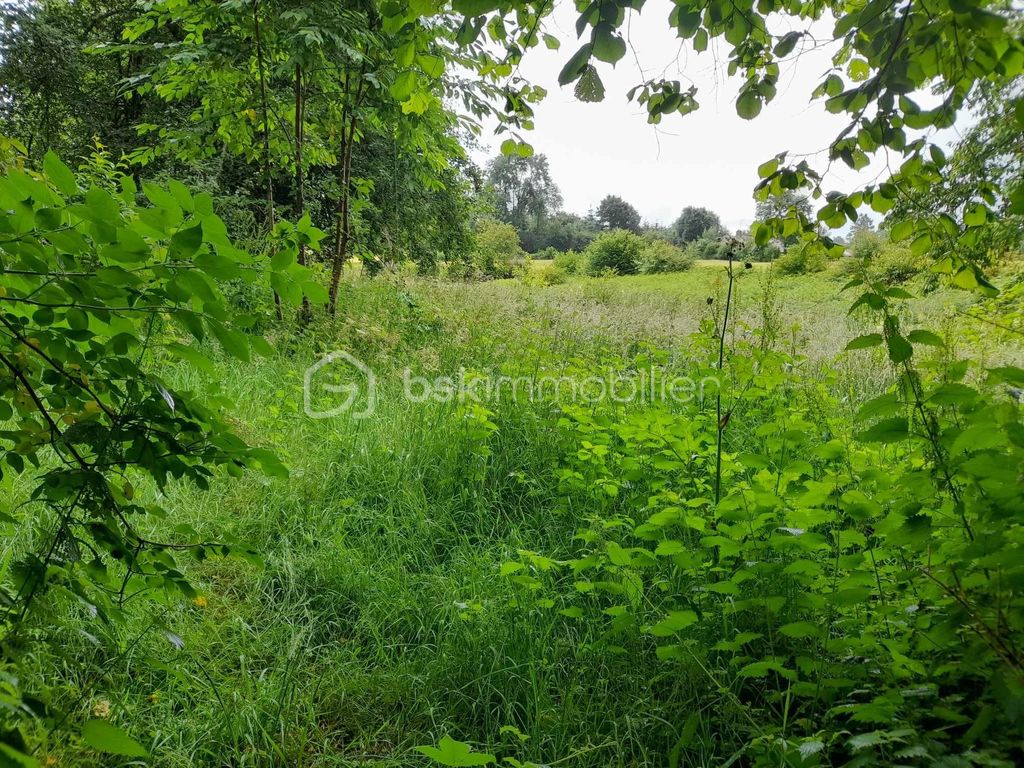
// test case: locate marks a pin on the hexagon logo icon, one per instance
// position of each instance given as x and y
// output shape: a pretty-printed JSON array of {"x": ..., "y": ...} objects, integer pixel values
[{"x": 365, "y": 383}]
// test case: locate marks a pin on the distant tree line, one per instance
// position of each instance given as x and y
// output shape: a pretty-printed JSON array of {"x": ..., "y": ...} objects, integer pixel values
[{"x": 523, "y": 194}]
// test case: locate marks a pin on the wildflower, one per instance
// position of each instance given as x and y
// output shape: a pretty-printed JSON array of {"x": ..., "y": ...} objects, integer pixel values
[
  {"x": 201, "y": 602},
  {"x": 101, "y": 708}
]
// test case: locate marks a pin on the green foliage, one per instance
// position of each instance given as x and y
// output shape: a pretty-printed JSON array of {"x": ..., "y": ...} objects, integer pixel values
[
  {"x": 617, "y": 252},
  {"x": 452, "y": 752},
  {"x": 710, "y": 245},
  {"x": 860, "y": 573},
  {"x": 986, "y": 165},
  {"x": 524, "y": 193},
  {"x": 896, "y": 263},
  {"x": 802, "y": 259},
  {"x": 542, "y": 274},
  {"x": 615, "y": 213},
  {"x": 497, "y": 249},
  {"x": 694, "y": 223},
  {"x": 97, "y": 287},
  {"x": 658, "y": 256},
  {"x": 571, "y": 262},
  {"x": 561, "y": 231},
  {"x": 867, "y": 244},
  {"x": 777, "y": 571}
]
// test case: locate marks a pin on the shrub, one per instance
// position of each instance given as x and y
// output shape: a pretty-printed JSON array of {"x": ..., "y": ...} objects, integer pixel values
[
  {"x": 543, "y": 274},
  {"x": 571, "y": 262},
  {"x": 896, "y": 264},
  {"x": 497, "y": 248},
  {"x": 658, "y": 256},
  {"x": 867, "y": 244},
  {"x": 801, "y": 259},
  {"x": 709, "y": 246},
  {"x": 616, "y": 251},
  {"x": 548, "y": 254},
  {"x": 761, "y": 253}
]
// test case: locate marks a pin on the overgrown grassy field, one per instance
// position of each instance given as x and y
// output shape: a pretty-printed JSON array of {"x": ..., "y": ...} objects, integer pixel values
[{"x": 384, "y": 611}]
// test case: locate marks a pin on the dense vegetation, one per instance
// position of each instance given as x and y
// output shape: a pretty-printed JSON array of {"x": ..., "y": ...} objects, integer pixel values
[{"x": 814, "y": 555}]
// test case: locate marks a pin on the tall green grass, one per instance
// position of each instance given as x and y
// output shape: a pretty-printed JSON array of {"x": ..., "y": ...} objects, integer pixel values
[{"x": 376, "y": 619}]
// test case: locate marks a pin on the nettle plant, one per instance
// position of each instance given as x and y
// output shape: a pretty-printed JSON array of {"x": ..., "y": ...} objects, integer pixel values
[
  {"x": 98, "y": 291},
  {"x": 855, "y": 595}
]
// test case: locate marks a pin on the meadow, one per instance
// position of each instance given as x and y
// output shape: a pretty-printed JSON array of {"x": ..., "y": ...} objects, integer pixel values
[
  {"x": 405, "y": 587},
  {"x": 335, "y": 432}
]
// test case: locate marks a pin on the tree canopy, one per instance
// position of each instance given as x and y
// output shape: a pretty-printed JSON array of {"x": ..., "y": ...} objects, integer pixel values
[
  {"x": 615, "y": 213},
  {"x": 524, "y": 192},
  {"x": 693, "y": 223}
]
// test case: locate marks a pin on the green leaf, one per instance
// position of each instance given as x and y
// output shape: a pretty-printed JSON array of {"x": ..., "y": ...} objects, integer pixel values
[
  {"x": 589, "y": 88},
  {"x": 859, "y": 70},
  {"x": 185, "y": 242},
  {"x": 766, "y": 169},
  {"x": 455, "y": 753},
  {"x": 787, "y": 43},
  {"x": 800, "y": 629},
  {"x": 901, "y": 230},
  {"x": 890, "y": 430},
  {"x": 927, "y": 338},
  {"x": 191, "y": 356},
  {"x": 235, "y": 343},
  {"x": 105, "y": 737},
  {"x": 900, "y": 350},
  {"x": 181, "y": 195},
  {"x": 164, "y": 201},
  {"x": 432, "y": 66},
  {"x": 748, "y": 105},
  {"x": 574, "y": 67},
  {"x": 61, "y": 176},
  {"x": 474, "y": 7},
  {"x": 976, "y": 215},
  {"x": 866, "y": 341},
  {"x": 608, "y": 45},
  {"x": 14, "y": 756},
  {"x": 315, "y": 292},
  {"x": 674, "y": 622},
  {"x": 1008, "y": 373}
]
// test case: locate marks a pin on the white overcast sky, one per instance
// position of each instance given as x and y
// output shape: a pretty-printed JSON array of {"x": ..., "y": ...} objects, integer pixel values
[{"x": 707, "y": 158}]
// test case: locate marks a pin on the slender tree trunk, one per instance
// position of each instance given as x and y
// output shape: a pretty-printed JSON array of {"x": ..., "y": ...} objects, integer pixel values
[
  {"x": 271, "y": 217},
  {"x": 342, "y": 229},
  {"x": 300, "y": 200}
]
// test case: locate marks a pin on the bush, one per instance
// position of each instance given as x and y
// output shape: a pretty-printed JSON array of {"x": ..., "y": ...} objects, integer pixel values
[
  {"x": 497, "y": 248},
  {"x": 571, "y": 262},
  {"x": 616, "y": 252},
  {"x": 760, "y": 253},
  {"x": 891, "y": 263},
  {"x": 802, "y": 259},
  {"x": 548, "y": 254},
  {"x": 543, "y": 274},
  {"x": 658, "y": 256},
  {"x": 709, "y": 246},
  {"x": 867, "y": 244},
  {"x": 896, "y": 264}
]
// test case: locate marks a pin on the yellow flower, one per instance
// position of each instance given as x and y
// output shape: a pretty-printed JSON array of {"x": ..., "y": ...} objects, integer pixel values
[
  {"x": 154, "y": 697},
  {"x": 201, "y": 602}
]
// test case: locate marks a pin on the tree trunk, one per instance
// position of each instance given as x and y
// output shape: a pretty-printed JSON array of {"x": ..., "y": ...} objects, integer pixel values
[
  {"x": 300, "y": 200},
  {"x": 342, "y": 225},
  {"x": 271, "y": 217}
]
